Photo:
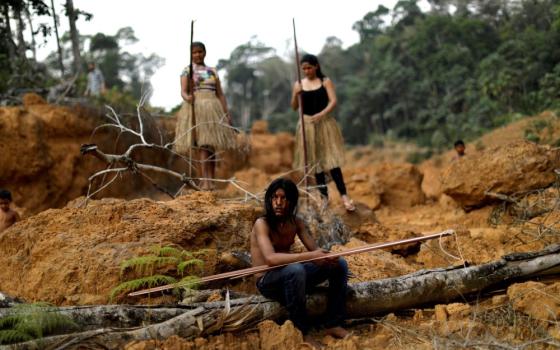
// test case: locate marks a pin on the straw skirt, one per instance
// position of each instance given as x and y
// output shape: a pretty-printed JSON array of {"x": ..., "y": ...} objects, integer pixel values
[
  {"x": 325, "y": 145},
  {"x": 212, "y": 128}
]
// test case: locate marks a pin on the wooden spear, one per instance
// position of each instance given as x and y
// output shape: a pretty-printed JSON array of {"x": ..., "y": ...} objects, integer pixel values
[
  {"x": 300, "y": 109},
  {"x": 264, "y": 268},
  {"x": 190, "y": 88}
]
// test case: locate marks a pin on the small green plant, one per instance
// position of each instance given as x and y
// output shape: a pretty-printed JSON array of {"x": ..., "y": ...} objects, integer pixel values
[
  {"x": 530, "y": 135},
  {"x": 539, "y": 131},
  {"x": 164, "y": 265},
  {"x": 32, "y": 321}
]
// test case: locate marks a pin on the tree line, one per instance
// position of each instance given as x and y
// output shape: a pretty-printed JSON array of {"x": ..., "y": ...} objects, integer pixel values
[
  {"x": 27, "y": 24},
  {"x": 453, "y": 71}
]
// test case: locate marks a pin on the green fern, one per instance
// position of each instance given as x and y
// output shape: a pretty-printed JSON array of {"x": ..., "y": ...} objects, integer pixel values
[
  {"x": 10, "y": 336},
  {"x": 190, "y": 282},
  {"x": 202, "y": 252},
  {"x": 8, "y": 321},
  {"x": 27, "y": 322},
  {"x": 188, "y": 263},
  {"x": 144, "y": 282},
  {"x": 167, "y": 251},
  {"x": 143, "y": 264},
  {"x": 166, "y": 256}
]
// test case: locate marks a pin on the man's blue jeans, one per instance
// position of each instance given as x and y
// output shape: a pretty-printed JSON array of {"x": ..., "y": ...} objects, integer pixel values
[{"x": 288, "y": 285}]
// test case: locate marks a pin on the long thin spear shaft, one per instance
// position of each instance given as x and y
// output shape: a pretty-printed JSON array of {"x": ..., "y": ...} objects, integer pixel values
[
  {"x": 191, "y": 90},
  {"x": 264, "y": 268},
  {"x": 300, "y": 109}
]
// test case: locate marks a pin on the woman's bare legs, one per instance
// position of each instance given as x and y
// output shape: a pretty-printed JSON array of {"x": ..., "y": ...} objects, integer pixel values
[{"x": 208, "y": 168}]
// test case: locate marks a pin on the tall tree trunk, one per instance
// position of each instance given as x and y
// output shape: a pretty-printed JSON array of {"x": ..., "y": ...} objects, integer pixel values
[
  {"x": 21, "y": 47},
  {"x": 33, "y": 42},
  {"x": 61, "y": 65},
  {"x": 74, "y": 36},
  {"x": 11, "y": 44}
]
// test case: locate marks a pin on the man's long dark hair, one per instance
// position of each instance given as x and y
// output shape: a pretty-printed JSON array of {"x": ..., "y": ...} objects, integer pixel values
[{"x": 292, "y": 195}]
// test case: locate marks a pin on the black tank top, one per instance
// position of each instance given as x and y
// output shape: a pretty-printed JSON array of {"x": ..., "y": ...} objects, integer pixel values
[{"x": 314, "y": 101}]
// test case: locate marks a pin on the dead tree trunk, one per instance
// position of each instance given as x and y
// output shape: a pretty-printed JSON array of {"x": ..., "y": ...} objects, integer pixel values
[
  {"x": 365, "y": 299},
  {"x": 60, "y": 64},
  {"x": 32, "y": 31},
  {"x": 74, "y": 36},
  {"x": 20, "y": 26},
  {"x": 10, "y": 41}
]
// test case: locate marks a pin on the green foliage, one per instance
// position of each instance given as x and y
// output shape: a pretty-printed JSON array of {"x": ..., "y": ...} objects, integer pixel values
[
  {"x": 32, "y": 321},
  {"x": 540, "y": 131},
  {"x": 140, "y": 283},
  {"x": 432, "y": 77},
  {"x": 148, "y": 270},
  {"x": 189, "y": 263},
  {"x": 126, "y": 73}
]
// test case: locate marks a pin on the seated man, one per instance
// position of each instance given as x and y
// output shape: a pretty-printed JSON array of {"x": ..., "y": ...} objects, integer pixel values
[
  {"x": 271, "y": 239},
  {"x": 8, "y": 216}
]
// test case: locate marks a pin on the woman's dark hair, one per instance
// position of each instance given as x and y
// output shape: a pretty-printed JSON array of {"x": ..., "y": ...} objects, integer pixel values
[
  {"x": 292, "y": 195},
  {"x": 314, "y": 61},
  {"x": 198, "y": 44}
]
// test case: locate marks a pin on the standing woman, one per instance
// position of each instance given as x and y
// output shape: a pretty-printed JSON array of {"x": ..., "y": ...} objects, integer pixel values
[
  {"x": 213, "y": 122},
  {"x": 325, "y": 146}
]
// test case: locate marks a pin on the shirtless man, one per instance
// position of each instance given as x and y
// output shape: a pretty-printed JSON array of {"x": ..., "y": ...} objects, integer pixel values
[
  {"x": 271, "y": 239},
  {"x": 8, "y": 216},
  {"x": 460, "y": 149}
]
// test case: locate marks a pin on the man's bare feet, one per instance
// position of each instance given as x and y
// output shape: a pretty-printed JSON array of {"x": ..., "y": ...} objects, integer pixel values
[
  {"x": 314, "y": 344},
  {"x": 337, "y": 332}
]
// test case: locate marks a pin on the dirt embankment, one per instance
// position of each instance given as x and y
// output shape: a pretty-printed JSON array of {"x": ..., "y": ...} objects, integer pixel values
[
  {"x": 71, "y": 255},
  {"x": 40, "y": 162}
]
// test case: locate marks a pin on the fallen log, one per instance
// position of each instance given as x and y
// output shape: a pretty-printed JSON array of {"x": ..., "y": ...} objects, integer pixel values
[{"x": 364, "y": 300}]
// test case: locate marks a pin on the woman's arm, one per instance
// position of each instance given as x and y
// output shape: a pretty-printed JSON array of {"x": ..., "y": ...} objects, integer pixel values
[
  {"x": 184, "y": 89},
  {"x": 329, "y": 86},
  {"x": 296, "y": 90}
]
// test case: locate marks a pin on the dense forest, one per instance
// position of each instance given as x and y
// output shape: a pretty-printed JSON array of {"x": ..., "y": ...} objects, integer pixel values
[
  {"x": 453, "y": 70},
  {"x": 126, "y": 75},
  {"x": 463, "y": 67}
]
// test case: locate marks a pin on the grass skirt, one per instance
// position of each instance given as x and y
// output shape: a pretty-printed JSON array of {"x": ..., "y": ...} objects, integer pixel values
[
  {"x": 212, "y": 128},
  {"x": 325, "y": 145}
]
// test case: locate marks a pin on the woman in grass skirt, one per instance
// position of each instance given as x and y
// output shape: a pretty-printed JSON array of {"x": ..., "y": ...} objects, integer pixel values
[
  {"x": 213, "y": 131},
  {"x": 325, "y": 145}
]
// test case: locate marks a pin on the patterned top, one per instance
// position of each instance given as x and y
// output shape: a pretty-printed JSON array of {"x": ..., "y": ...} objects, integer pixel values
[{"x": 205, "y": 78}]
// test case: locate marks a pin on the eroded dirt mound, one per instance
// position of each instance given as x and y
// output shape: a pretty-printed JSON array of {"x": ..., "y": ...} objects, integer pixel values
[
  {"x": 391, "y": 184},
  {"x": 40, "y": 162},
  {"x": 72, "y": 255},
  {"x": 519, "y": 166},
  {"x": 525, "y": 295},
  {"x": 271, "y": 153}
]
